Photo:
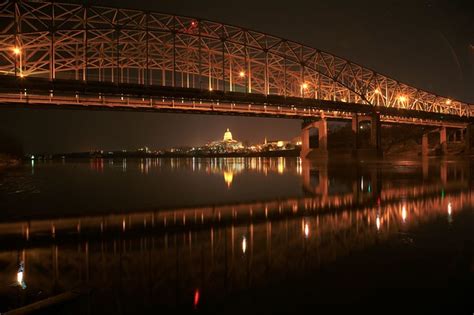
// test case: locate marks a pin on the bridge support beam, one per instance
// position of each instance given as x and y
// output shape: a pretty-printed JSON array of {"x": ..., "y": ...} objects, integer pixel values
[
  {"x": 321, "y": 151},
  {"x": 375, "y": 144},
  {"x": 466, "y": 138},
  {"x": 443, "y": 141},
  {"x": 425, "y": 145}
]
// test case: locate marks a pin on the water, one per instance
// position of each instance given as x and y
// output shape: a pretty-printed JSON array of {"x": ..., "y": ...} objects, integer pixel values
[{"x": 236, "y": 235}]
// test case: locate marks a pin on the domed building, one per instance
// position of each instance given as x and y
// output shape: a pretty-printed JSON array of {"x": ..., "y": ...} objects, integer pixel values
[
  {"x": 227, "y": 144},
  {"x": 227, "y": 135}
]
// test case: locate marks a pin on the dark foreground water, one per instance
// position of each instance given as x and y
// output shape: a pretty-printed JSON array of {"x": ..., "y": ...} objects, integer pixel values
[{"x": 238, "y": 235}]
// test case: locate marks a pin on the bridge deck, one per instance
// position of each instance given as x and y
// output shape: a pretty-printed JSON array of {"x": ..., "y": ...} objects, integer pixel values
[{"x": 43, "y": 93}]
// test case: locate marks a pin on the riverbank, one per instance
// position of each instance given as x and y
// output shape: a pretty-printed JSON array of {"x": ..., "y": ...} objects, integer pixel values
[{"x": 7, "y": 161}]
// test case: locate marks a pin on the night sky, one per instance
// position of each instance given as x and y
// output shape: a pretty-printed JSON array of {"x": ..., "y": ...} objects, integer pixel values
[{"x": 426, "y": 44}]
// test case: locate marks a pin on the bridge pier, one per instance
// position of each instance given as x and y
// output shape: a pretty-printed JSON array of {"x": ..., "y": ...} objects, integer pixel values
[
  {"x": 315, "y": 177},
  {"x": 466, "y": 138},
  {"x": 443, "y": 140},
  {"x": 461, "y": 135},
  {"x": 321, "y": 151},
  {"x": 374, "y": 149}
]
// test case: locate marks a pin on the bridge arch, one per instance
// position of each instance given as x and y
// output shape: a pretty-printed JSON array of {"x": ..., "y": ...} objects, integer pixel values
[{"x": 92, "y": 43}]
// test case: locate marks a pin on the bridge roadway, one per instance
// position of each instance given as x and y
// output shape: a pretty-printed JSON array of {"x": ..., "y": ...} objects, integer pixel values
[{"x": 70, "y": 94}]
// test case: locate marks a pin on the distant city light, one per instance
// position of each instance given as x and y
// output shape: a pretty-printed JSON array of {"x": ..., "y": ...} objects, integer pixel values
[
  {"x": 377, "y": 222},
  {"x": 244, "y": 245},
  {"x": 306, "y": 230},
  {"x": 450, "y": 208},
  {"x": 377, "y": 91},
  {"x": 404, "y": 213},
  {"x": 448, "y": 102},
  {"x": 242, "y": 74},
  {"x": 304, "y": 86}
]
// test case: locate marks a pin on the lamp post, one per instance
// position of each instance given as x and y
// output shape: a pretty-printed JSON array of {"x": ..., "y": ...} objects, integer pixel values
[
  {"x": 17, "y": 52},
  {"x": 304, "y": 86}
]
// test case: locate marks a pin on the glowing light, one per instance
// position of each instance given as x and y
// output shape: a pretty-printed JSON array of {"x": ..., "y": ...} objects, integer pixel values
[
  {"x": 306, "y": 230},
  {"x": 16, "y": 50},
  {"x": 377, "y": 91},
  {"x": 22, "y": 75},
  {"x": 304, "y": 86},
  {"x": 228, "y": 178},
  {"x": 281, "y": 165},
  {"x": 448, "y": 102},
  {"x": 196, "y": 298},
  {"x": 244, "y": 245},
  {"x": 377, "y": 223},
  {"x": 450, "y": 208},
  {"x": 404, "y": 213},
  {"x": 402, "y": 98},
  {"x": 242, "y": 74},
  {"x": 20, "y": 276}
]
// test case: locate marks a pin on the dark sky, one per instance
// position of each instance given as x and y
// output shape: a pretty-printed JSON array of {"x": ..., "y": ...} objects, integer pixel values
[{"x": 425, "y": 43}]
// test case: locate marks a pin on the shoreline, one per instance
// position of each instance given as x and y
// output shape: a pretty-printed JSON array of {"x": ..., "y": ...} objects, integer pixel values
[{"x": 8, "y": 162}]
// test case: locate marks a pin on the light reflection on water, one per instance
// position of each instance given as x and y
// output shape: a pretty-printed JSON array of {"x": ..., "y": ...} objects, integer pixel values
[{"x": 312, "y": 215}]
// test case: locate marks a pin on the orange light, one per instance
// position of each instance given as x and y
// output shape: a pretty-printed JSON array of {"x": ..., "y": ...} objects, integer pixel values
[
  {"x": 448, "y": 102},
  {"x": 16, "y": 50},
  {"x": 242, "y": 74},
  {"x": 377, "y": 91},
  {"x": 402, "y": 98},
  {"x": 304, "y": 86}
]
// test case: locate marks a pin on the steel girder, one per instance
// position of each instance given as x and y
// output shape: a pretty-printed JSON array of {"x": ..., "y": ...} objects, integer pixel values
[{"x": 92, "y": 43}]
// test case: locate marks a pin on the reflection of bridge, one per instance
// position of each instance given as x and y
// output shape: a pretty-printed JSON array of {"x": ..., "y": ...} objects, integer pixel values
[
  {"x": 71, "y": 55},
  {"x": 113, "y": 255},
  {"x": 327, "y": 193}
]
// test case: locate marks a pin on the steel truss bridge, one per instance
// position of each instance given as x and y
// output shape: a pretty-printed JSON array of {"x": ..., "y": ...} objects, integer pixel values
[{"x": 72, "y": 55}]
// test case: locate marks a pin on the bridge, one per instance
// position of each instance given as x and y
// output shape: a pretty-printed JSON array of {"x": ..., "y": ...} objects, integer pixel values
[{"x": 63, "y": 55}]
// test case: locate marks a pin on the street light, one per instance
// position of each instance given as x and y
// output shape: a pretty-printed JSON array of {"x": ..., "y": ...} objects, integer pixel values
[
  {"x": 304, "y": 87},
  {"x": 17, "y": 52}
]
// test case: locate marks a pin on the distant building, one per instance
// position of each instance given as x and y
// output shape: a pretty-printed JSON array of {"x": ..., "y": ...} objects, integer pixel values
[{"x": 227, "y": 144}]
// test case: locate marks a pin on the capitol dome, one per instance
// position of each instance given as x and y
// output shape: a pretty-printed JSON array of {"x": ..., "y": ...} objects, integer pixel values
[{"x": 227, "y": 135}]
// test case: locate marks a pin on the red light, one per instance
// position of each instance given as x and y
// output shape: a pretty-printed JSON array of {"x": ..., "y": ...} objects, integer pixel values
[{"x": 196, "y": 298}]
